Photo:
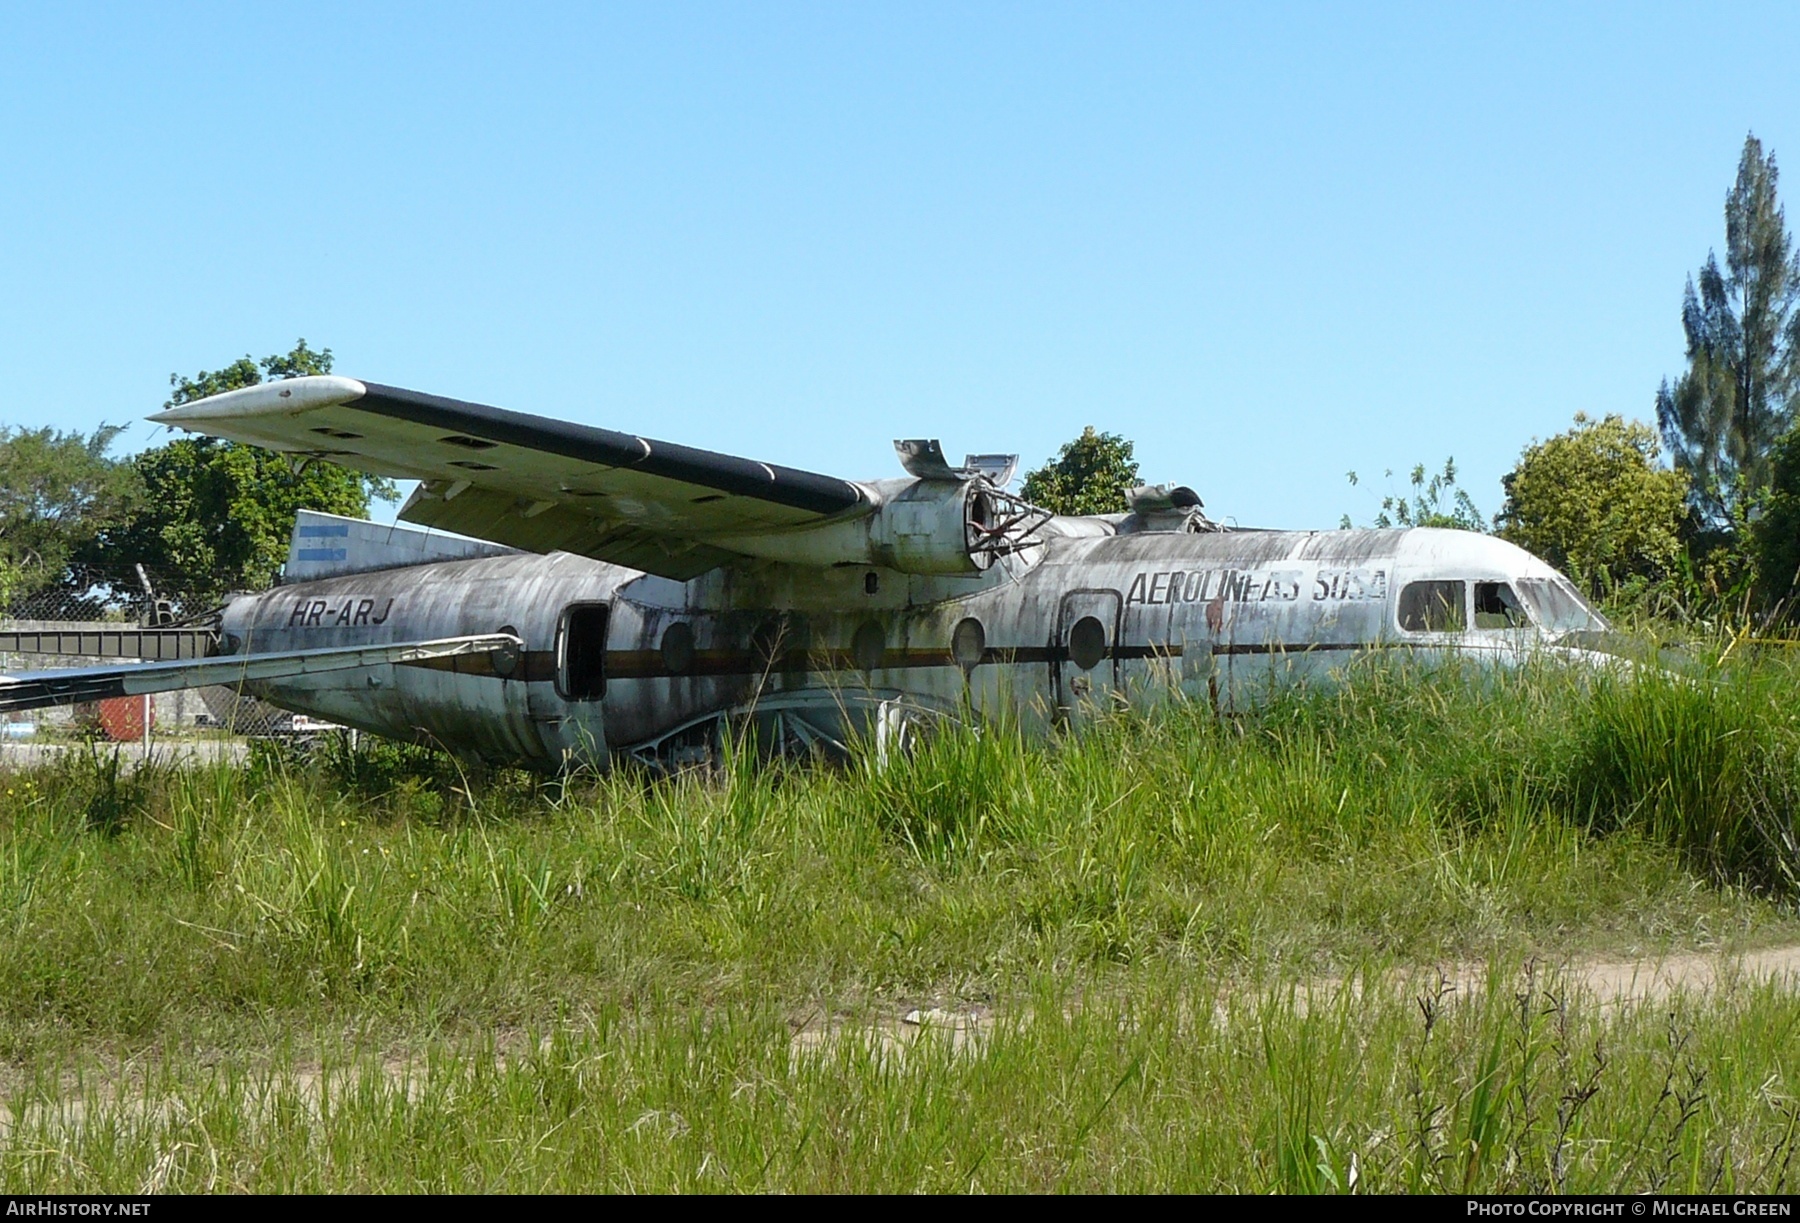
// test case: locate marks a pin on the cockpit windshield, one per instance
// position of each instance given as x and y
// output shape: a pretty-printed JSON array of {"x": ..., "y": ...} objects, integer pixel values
[{"x": 1558, "y": 607}]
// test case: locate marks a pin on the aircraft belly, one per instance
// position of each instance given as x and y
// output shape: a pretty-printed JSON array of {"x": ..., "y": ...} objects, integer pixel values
[
  {"x": 348, "y": 699},
  {"x": 642, "y": 708},
  {"x": 478, "y": 715},
  {"x": 473, "y": 715}
]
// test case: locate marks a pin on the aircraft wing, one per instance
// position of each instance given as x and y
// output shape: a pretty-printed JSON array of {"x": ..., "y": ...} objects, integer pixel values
[
  {"x": 37, "y": 689},
  {"x": 528, "y": 482}
]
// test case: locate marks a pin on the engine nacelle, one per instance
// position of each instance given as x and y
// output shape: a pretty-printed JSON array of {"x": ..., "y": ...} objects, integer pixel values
[
  {"x": 931, "y": 529},
  {"x": 938, "y": 527}
]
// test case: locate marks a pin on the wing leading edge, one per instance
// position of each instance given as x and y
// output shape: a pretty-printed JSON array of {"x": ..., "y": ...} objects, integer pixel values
[{"x": 528, "y": 481}]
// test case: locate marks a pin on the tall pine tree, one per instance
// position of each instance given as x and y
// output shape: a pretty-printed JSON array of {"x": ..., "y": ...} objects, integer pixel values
[{"x": 1742, "y": 386}]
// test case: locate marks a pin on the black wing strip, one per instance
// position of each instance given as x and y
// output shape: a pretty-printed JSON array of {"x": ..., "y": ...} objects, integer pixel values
[{"x": 802, "y": 490}]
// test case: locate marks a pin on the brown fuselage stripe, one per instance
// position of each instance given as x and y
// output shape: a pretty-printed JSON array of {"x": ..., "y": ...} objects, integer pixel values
[{"x": 539, "y": 666}]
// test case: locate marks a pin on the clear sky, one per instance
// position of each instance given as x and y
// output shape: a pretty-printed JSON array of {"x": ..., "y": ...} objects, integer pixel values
[{"x": 1267, "y": 244}]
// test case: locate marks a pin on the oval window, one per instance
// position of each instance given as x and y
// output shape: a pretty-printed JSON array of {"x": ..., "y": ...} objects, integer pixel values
[
  {"x": 678, "y": 648},
  {"x": 1087, "y": 643},
  {"x": 968, "y": 644},
  {"x": 505, "y": 660}
]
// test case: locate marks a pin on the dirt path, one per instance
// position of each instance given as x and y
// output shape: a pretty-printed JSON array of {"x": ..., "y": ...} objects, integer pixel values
[
  {"x": 1603, "y": 982},
  {"x": 1617, "y": 981},
  {"x": 1608, "y": 983}
]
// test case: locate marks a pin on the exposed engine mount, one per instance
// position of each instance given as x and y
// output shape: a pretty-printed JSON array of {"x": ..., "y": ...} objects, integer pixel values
[
  {"x": 951, "y": 527},
  {"x": 945, "y": 521}
]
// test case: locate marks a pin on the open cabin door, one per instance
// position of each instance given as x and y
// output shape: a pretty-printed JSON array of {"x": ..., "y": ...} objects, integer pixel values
[
  {"x": 581, "y": 651},
  {"x": 569, "y": 712}
]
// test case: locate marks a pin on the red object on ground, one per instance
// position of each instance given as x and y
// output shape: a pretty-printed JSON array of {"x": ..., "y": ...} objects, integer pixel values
[{"x": 122, "y": 718}]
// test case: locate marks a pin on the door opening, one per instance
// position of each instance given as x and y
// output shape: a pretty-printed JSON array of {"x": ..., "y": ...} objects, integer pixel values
[{"x": 581, "y": 652}]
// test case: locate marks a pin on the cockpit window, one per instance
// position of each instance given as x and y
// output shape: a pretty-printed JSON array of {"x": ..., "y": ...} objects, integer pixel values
[
  {"x": 1432, "y": 607},
  {"x": 1557, "y": 608},
  {"x": 1496, "y": 606}
]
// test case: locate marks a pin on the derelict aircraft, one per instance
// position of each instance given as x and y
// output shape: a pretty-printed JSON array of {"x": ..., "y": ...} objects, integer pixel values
[{"x": 581, "y": 595}]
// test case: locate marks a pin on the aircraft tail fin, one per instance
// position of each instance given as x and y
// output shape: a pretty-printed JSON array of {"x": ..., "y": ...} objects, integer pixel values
[{"x": 328, "y": 545}]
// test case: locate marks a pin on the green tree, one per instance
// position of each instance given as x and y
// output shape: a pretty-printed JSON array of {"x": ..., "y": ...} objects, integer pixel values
[
  {"x": 1436, "y": 501},
  {"x": 300, "y": 362},
  {"x": 1090, "y": 475},
  {"x": 216, "y": 516},
  {"x": 58, "y": 491},
  {"x": 1594, "y": 503},
  {"x": 1722, "y": 417},
  {"x": 1775, "y": 529}
]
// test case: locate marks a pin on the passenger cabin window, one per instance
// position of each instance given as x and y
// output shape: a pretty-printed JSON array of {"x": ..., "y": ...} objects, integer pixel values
[
  {"x": 1432, "y": 607},
  {"x": 1496, "y": 606},
  {"x": 581, "y": 652}
]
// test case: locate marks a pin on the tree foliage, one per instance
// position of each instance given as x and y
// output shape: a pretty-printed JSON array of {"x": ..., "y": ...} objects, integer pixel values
[
  {"x": 1435, "y": 501},
  {"x": 299, "y": 362},
  {"x": 1723, "y": 415},
  {"x": 1775, "y": 529},
  {"x": 1090, "y": 475},
  {"x": 216, "y": 516},
  {"x": 57, "y": 492},
  {"x": 1594, "y": 503}
]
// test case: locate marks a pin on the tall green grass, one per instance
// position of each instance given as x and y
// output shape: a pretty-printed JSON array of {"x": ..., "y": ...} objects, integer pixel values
[
  {"x": 389, "y": 904},
  {"x": 1181, "y": 1085},
  {"x": 1421, "y": 815}
]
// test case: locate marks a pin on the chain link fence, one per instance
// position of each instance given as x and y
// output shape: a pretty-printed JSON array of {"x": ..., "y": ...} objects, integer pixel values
[{"x": 86, "y": 597}]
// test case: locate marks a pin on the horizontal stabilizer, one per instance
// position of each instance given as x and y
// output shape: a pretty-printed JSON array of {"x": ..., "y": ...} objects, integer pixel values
[
  {"x": 97, "y": 639},
  {"x": 38, "y": 689}
]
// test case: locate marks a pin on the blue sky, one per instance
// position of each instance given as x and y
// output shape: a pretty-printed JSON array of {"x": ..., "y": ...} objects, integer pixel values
[{"x": 1268, "y": 244}]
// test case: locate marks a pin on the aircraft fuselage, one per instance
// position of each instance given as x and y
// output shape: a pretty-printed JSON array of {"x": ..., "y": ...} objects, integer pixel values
[{"x": 615, "y": 660}]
